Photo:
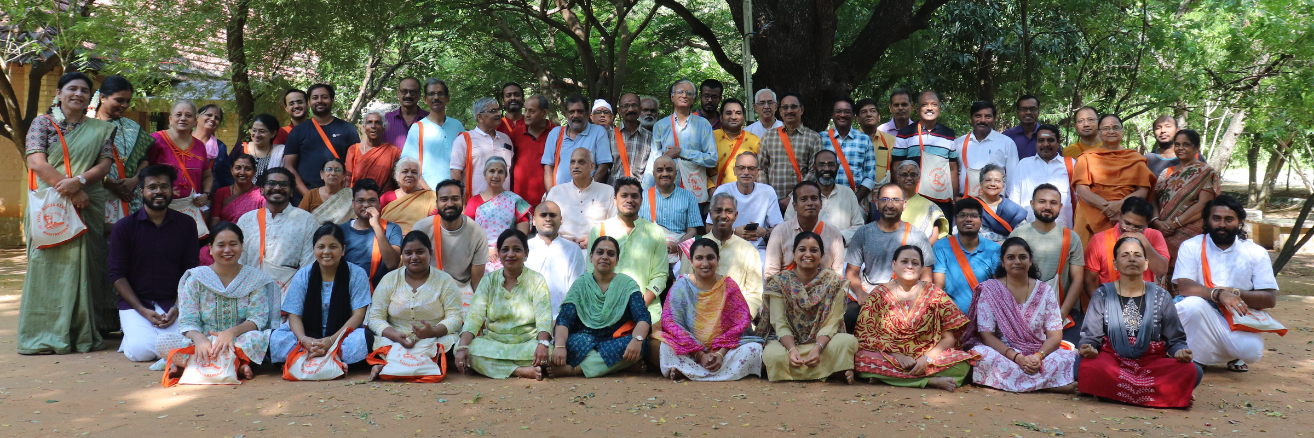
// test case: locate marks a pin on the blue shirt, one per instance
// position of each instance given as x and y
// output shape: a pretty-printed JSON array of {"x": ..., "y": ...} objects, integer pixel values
[
  {"x": 360, "y": 247},
  {"x": 697, "y": 144},
  {"x": 294, "y": 301},
  {"x": 1026, "y": 146},
  {"x": 304, "y": 142},
  {"x": 858, "y": 152},
  {"x": 983, "y": 261},
  {"x": 594, "y": 138},
  {"x": 676, "y": 213},
  {"x": 436, "y": 164}
]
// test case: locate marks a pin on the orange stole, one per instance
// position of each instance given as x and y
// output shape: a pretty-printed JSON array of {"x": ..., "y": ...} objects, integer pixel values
[
  {"x": 409, "y": 209},
  {"x": 1111, "y": 174}
]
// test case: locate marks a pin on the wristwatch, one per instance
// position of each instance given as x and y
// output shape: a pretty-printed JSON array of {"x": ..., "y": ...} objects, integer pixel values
[
  {"x": 82, "y": 180},
  {"x": 545, "y": 343},
  {"x": 638, "y": 338}
]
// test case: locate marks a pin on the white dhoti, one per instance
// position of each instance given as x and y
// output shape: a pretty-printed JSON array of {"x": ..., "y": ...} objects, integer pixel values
[
  {"x": 1211, "y": 339},
  {"x": 738, "y": 363},
  {"x": 139, "y": 335}
]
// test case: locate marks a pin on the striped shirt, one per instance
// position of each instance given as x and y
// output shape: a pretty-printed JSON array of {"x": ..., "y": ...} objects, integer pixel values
[
  {"x": 637, "y": 147},
  {"x": 858, "y": 152},
  {"x": 676, "y": 212},
  {"x": 939, "y": 141},
  {"x": 777, "y": 170}
]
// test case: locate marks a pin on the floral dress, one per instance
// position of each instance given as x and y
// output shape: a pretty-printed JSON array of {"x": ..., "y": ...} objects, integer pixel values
[
  {"x": 1038, "y": 315},
  {"x": 496, "y": 215}
]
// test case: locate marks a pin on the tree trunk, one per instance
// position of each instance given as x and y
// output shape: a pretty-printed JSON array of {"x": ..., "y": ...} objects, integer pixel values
[
  {"x": 1272, "y": 171},
  {"x": 985, "y": 73},
  {"x": 237, "y": 60},
  {"x": 1252, "y": 165},
  {"x": 371, "y": 66},
  {"x": 1029, "y": 84},
  {"x": 1221, "y": 157}
]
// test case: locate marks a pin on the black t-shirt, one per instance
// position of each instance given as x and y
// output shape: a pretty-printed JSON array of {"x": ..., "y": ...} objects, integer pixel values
[{"x": 304, "y": 142}]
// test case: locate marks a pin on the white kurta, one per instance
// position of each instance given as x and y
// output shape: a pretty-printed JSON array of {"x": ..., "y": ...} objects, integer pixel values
[
  {"x": 1032, "y": 171},
  {"x": 841, "y": 209},
  {"x": 581, "y": 210},
  {"x": 560, "y": 263},
  {"x": 1246, "y": 266},
  {"x": 996, "y": 149}
]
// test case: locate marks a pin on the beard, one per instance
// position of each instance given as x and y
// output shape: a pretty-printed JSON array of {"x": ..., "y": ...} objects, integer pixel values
[
  {"x": 826, "y": 178},
  {"x": 150, "y": 203},
  {"x": 647, "y": 122},
  {"x": 1222, "y": 236},
  {"x": 450, "y": 214},
  {"x": 1046, "y": 219}
]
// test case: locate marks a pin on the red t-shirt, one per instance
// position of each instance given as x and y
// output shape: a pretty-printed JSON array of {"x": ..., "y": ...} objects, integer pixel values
[
  {"x": 1099, "y": 252},
  {"x": 526, "y": 166}
]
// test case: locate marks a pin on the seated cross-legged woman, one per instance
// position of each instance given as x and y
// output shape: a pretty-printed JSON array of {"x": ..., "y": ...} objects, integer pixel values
[
  {"x": 704, "y": 321},
  {"x": 326, "y": 303},
  {"x": 416, "y": 302},
  {"x": 603, "y": 321},
  {"x": 508, "y": 331},
  {"x": 806, "y": 310}
]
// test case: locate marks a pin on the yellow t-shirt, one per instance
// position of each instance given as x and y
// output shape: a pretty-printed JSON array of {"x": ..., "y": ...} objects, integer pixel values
[
  {"x": 1075, "y": 149},
  {"x": 883, "y": 151},
  {"x": 725, "y": 154}
]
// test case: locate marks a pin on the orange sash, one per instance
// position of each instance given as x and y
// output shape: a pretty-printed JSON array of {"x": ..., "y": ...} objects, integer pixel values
[
  {"x": 469, "y": 164},
  {"x": 1109, "y": 241},
  {"x": 421, "y": 145},
  {"x": 376, "y": 259},
  {"x": 118, "y": 164},
  {"x": 839, "y": 152},
  {"x": 179, "y": 155},
  {"x": 260, "y": 220},
  {"x": 1072, "y": 179},
  {"x": 1063, "y": 261},
  {"x": 730, "y": 161},
  {"x": 556, "y": 160},
  {"x": 506, "y": 123},
  {"x": 31, "y": 176},
  {"x": 624, "y": 156},
  {"x": 992, "y": 214},
  {"x": 438, "y": 243},
  {"x": 789, "y": 151},
  {"x": 1204, "y": 260},
  {"x": 328, "y": 144},
  {"x": 967, "y": 181},
  {"x": 962, "y": 262},
  {"x": 676, "y": 136},
  {"x": 652, "y": 203}
]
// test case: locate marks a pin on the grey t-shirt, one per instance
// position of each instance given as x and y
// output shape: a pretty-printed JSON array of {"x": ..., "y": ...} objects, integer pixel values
[
  {"x": 1048, "y": 248},
  {"x": 873, "y": 250}
]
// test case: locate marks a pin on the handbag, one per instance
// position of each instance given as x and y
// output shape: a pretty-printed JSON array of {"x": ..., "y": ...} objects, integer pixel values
[
  {"x": 221, "y": 370},
  {"x": 51, "y": 217},
  {"x": 301, "y": 367},
  {"x": 185, "y": 206},
  {"x": 426, "y": 362}
]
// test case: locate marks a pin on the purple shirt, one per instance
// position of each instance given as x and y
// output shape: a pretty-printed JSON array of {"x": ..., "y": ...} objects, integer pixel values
[
  {"x": 153, "y": 258},
  {"x": 397, "y": 126},
  {"x": 1026, "y": 146}
]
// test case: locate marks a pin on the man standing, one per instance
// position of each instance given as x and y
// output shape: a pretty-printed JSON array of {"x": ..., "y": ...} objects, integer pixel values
[
  {"x": 787, "y": 151},
  {"x": 399, "y": 121},
  {"x": 430, "y": 140},
  {"x": 1163, "y": 156},
  {"x": 931, "y": 145},
  {"x": 559, "y": 260},
  {"x": 462, "y": 242},
  {"x": 1087, "y": 123},
  {"x": 577, "y": 133},
  {"x": 1056, "y": 252},
  {"x": 900, "y": 111},
  {"x": 981, "y": 147},
  {"x": 372, "y": 243},
  {"x": 468, "y": 162},
  {"x": 671, "y": 207},
  {"x": 686, "y": 138},
  {"x": 869, "y": 120},
  {"x": 294, "y": 102},
  {"x": 739, "y": 259},
  {"x": 602, "y": 114},
  {"x": 148, "y": 253},
  {"x": 1136, "y": 214},
  {"x": 584, "y": 202},
  {"x": 278, "y": 237},
  {"x": 764, "y": 104},
  {"x": 526, "y": 167},
  {"x": 310, "y": 145},
  {"x": 758, "y": 207},
  {"x": 731, "y": 140},
  {"x": 840, "y": 208},
  {"x": 1024, "y": 134},
  {"x": 513, "y": 103},
  {"x": 709, "y": 100},
  {"x": 872, "y": 248},
  {"x": 630, "y": 143},
  {"x": 854, "y": 150},
  {"x": 649, "y": 110},
  {"x": 642, "y": 245},
  {"x": 964, "y": 260},
  {"x": 1046, "y": 167},
  {"x": 780, "y": 247},
  {"x": 1222, "y": 271}
]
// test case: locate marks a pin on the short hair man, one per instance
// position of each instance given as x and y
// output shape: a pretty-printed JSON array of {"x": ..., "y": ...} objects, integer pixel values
[
  {"x": 731, "y": 140},
  {"x": 854, "y": 149},
  {"x": 560, "y": 260},
  {"x": 758, "y": 211},
  {"x": 399, "y": 121},
  {"x": 526, "y": 166},
  {"x": 294, "y": 103},
  {"x": 372, "y": 243},
  {"x": 901, "y": 108},
  {"x": 869, "y": 120},
  {"x": 981, "y": 255},
  {"x": 464, "y": 243},
  {"x": 1086, "y": 122},
  {"x": 739, "y": 259},
  {"x": 512, "y": 97},
  {"x": 1223, "y": 271},
  {"x": 642, "y": 248},
  {"x": 686, "y": 138},
  {"x": 939, "y": 165},
  {"x": 577, "y": 133},
  {"x": 430, "y": 140},
  {"x": 1056, "y": 249},
  {"x": 1135, "y": 221},
  {"x": 839, "y": 205},
  {"x": 1024, "y": 134},
  {"x": 981, "y": 147},
  {"x": 783, "y": 167},
  {"x": 780, "y": 247},
  {"x": 468, "y": 162},
  {"x": 710, "y": 92},
  {"x": 871, "y": 250},
  {"x": 285, "y": 233},
  {"x": 584, "y": 202},
  {"x": 1046, "y": 167},
  {"x": 1162, "y": 156},
  {"x": 764, "y": 104},
  {"x": 309, "y": 146},
  {"x": 670, "y": 206},
  {"x": 649, "y": 111},
  {"x": 631, "y": 142},
  {"x": 148, "y": 253}
]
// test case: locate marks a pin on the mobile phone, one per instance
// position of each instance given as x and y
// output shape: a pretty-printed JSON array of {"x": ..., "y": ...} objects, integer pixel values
[{"x": 752, "y": 226}]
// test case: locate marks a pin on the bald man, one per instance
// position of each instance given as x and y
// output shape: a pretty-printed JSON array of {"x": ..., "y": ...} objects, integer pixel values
[
  {"x": 672, "y": 207},
  {"x": 559, "y": 260},
  {"x": 584, "y": 202}
]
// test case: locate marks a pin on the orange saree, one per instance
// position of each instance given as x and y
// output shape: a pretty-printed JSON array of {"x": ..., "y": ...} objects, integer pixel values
[
  {"x": 1112, "y": 174},
  {"x": 375, "y": 164},
  {"x": 408, "y": 209}
]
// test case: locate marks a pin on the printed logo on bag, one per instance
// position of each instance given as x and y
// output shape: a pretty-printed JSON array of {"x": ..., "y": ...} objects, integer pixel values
[
  {"x": 314, "y": 364},
  {"x": 208, "y": 368},
  {"x": 411, "y": 360},
  {"x": 55, "y": 218},
  {"x": 940, "y": 179}
]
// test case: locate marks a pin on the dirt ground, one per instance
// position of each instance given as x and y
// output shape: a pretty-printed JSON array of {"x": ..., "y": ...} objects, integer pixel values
[{"x": 103, "y": 394}]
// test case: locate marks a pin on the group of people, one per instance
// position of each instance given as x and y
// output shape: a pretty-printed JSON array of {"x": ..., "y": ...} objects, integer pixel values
[{"x": 690, "y": 243}]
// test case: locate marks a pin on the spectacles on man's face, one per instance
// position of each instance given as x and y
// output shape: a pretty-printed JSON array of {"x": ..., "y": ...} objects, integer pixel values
[
  {"x": 745, "y": 168},
  {"x": 682, "y": 93},
  {"x": 766, "y": 103},
  {"x": 492, "y": 112},
  {"x": 890, "y": 199},
  {"x": 278, "y": 184},
  {"x": 790, "y": 107}
]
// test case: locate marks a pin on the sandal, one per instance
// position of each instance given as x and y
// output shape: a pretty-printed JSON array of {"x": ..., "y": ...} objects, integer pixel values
[{"x": 1237, "y": 366}]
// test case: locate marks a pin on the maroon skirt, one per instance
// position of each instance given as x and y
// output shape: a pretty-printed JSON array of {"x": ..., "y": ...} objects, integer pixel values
[{"x": 1154, "y": 380}]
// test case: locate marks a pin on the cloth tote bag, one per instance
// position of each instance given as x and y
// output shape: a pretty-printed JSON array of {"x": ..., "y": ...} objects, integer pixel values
[
  {"x": 300, "y": 366},
  {"x": 185, "y": 206},
  {"x": 423, "y": 363},
  {"x": 51, "y": 217},
  {"x": 221, "y": 370}
]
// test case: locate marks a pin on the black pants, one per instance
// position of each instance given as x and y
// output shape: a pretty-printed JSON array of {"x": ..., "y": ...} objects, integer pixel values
[{"x": 851, "y": 310}]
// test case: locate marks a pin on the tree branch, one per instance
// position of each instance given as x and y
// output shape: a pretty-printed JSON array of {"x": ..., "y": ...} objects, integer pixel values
[{"x": 703, "y": 31}]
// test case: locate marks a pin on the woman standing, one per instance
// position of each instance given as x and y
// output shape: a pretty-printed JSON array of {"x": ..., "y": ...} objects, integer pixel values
[
  {"x": 1182, "y": 192},
  {"x": 906, "y": 331},
  {"x": 419, "y": 302},
  {"x": 410, "y": 202},
  {"x": 1017, "y": 330},
  {"x": 325, "y": 303},
  {"x": 704, "y": 322},
  {"x": 511, "y": 314},
  {"x": 603, "y": 322},
  {"x": 66, "y": 299},
  {"x": 329, "y": 202},
  {"x": 1142, "y": 357},
  {"x": 231, "y": 202},
  {"x": 209, "y": 118},
  {"x": 806, "y": 309},
  {"x": 176, "y": 147},
  {"x": 1001, "y": 214},
  {"x": 497, "y": 209},
  {"x": 267, "y": 154},
  {"x": 1106, "y": 176},
  {"x": 130, "y": 145}
]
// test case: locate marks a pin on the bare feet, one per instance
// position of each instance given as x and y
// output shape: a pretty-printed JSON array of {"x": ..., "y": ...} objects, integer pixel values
[
  {"x": 374, "y": 372},
  {"x": 848, "y": 377},
  {"x": 945, "y": 383},
  {"x": 562, "y": 371},
  {"x": 175, "y": 372},
  {"x": 245, "y": 372},
  {"x": 676, "y": 375},
  {"x": 535, "y": 373},
  {"x": 1070, "y": 388}
]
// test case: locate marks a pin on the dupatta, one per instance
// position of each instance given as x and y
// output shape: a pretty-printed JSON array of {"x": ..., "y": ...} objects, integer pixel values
[
  {"x": 1011, "y": 319},
  {"x": 598, "y": 309},
  {"x": 806, "y": 305},
  {"x": 697, "y": 320}
]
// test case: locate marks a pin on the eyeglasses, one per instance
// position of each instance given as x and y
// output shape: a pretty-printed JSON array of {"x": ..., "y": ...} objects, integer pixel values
[
  {"x": 436, "y": 94},
  {"x": 890, "y": 199},
  {"x": 747, "y": 168},
  {"x": 405, "y": 92},
  {"x": 602, "y": 112},
  {"x": 766, "y": 103},
  {"x": 682, "y": 93},
  {"x": 492, "y": 112},
  {"x": 909, "y": 175},
  {"x": 1111, "y": 128},
  {"x": 334, "y": 170},
  {"x": 831, "y": 165},
  {"x": 790, "y": 107},
  {"x": 279, "y": 184}
]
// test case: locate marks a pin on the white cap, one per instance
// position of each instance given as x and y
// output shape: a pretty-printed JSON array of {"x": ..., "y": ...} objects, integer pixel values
[{"x": 601, "y": 104}]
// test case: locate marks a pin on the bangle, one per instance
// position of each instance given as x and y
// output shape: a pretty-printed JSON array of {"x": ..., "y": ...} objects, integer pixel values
[
  {"x": 460, "y": 347},
  {"x": 1178, "y": 222}
]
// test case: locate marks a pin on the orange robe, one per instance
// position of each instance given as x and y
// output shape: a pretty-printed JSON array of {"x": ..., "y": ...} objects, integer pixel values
[
  {"x": 1112, "y": 174},
  {"x": 375, "y": 164}
]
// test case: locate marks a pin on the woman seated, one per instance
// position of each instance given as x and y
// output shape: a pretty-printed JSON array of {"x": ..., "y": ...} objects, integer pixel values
[
  {"x": 508, "y": 330},
  {"x": 806, "y": 309},
  {"x": 603, "y": 321},
  {"x": 1016, "y": 328},
  {"x": 419, "y": 302},
  {"x": 917, "y": 210},
  {"x": 1182, "y": 193},
  {"x": 330, "y": 203},
  {"x": 341, "y": 293},
  {"x": 705, "y": 322},
  {"x": 497, "y": 209},
  {"x": 1104, "y": 177},
  {"x": 906, "y": 331},
  {"x": 1142, "y": 356},
  {"x": 410, "y": 202},
  {"x": 235, "y": 304},
  {"x": 1001, "y": 214}
]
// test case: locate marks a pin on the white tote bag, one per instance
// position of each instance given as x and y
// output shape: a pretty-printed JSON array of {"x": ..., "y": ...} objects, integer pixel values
[
  {"x": 1258, "y": 321},
  {"x": 300, "y": 366},
  {"x": 423, "y": 363},
  {"x": 52, "y": 218},
  {"x": 221, "y": 370},
  {"x": 185, "y": 206},
  {"x": 936, "y": 183}
]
